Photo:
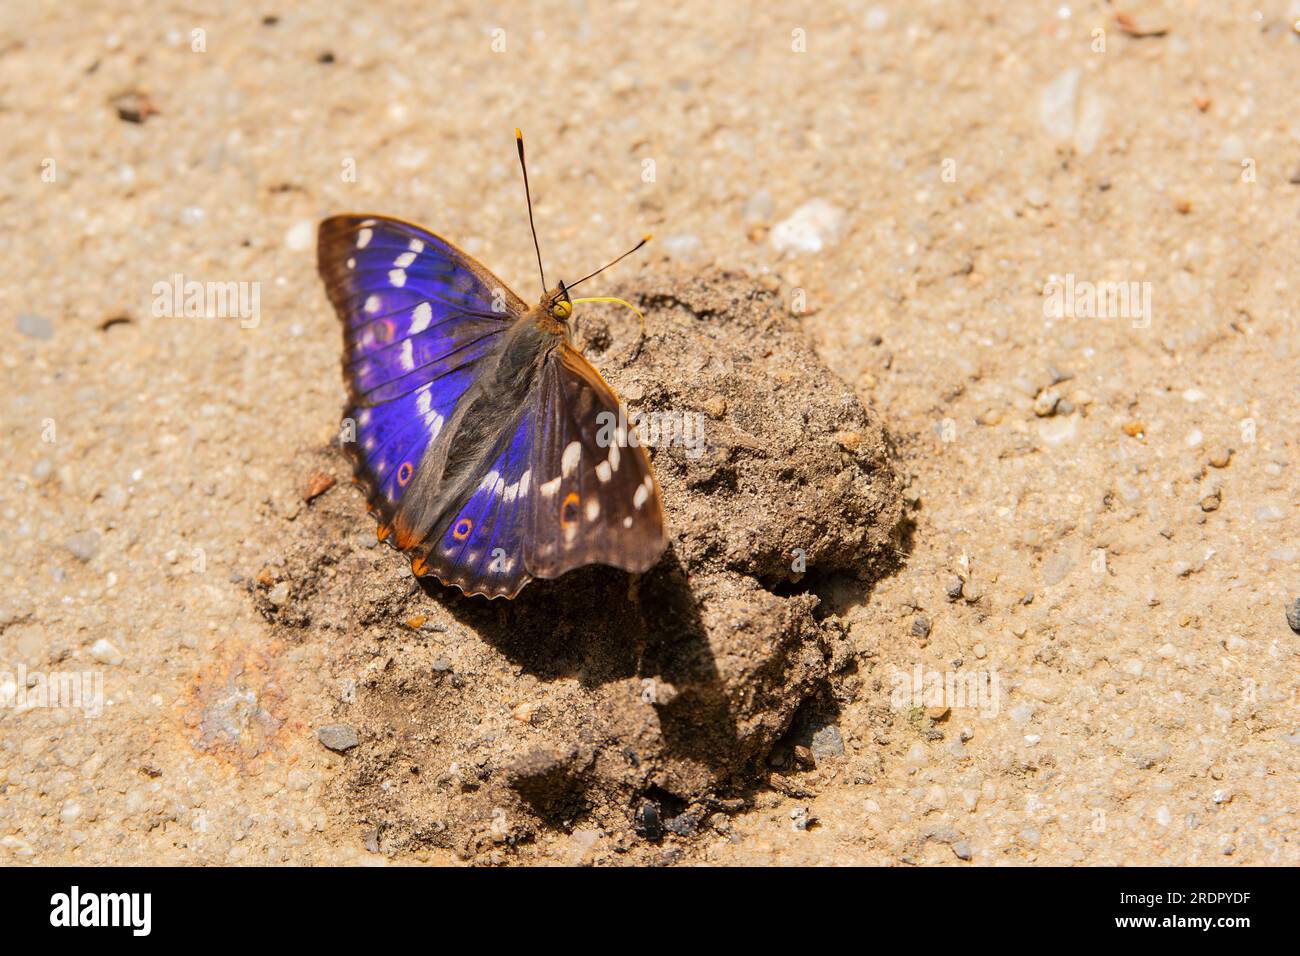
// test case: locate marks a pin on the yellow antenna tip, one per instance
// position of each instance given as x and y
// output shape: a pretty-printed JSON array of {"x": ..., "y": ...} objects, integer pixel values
[
  {"x": 647, "y": 238},
  {"x": 518, "y": 134}
]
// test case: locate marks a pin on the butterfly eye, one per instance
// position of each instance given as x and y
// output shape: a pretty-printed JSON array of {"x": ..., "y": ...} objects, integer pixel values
[{"x": 562, "y": 310}]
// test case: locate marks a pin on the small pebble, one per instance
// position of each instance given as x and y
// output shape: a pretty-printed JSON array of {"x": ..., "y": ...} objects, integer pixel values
[
  {"x": 827, "y": 742},
  {"x": 953, "y": 588},
  {"x": 1293, "y": 615},
  {"x": 1046, "y": 402},
  {"x": 1056, "y": 105},
  {"x": 681, "y": 246},
  {"x": 1220, "y": 456},
  {"x": 301, "y": 236},
  {"x": 338, "y": 737},
  {"x": 35, "y": 326},
  {"x": 810, "y": 228},
  {"x": 921, "y": 626},
  {"x": 105, "y": 653},
  {"x": 84, "y": 546},
  {"x": 279, "y": 595}
]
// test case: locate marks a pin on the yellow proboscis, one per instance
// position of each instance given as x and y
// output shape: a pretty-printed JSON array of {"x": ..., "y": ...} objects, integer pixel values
[{"x": 610, "y": 298}]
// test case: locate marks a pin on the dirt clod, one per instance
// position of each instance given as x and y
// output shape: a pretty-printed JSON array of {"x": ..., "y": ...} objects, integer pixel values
[{"x": 661, "y": 691}]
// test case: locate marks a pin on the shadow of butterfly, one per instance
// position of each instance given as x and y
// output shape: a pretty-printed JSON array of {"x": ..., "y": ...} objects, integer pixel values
[{"x": 491, "y": 452}]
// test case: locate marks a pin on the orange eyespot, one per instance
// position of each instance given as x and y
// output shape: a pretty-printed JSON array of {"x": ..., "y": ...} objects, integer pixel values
[
  {"x": 419, "y": 567},
  {"x": 569, "y": 510},
  {"x": 384, "y": 330},
  {"x": 463, "y": 527},
  {"x": 382, "y": 532},
  {"x": 404, "y": 473}
]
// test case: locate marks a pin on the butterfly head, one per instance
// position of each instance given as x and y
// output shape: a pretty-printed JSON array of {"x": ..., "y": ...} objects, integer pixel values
[{"x": 558, "y": 304}]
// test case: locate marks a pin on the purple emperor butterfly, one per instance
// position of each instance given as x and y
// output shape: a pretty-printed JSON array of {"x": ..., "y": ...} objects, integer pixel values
[{"x": 485, "y": 442}]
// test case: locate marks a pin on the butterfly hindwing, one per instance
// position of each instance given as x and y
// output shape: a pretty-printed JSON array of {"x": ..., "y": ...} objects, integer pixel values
[
  {"x": 593, "y": 494},
  {"x": 479, "y": 546}
]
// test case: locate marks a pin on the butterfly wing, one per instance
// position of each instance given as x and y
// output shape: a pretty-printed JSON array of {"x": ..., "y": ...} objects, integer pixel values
[
  {"x": 593, "y": 497},
  {"x": 419, "y": 318},
  {"x": 479, "y": 546}
]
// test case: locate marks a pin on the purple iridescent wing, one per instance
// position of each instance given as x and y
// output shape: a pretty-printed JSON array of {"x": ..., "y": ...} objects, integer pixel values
[
  {"x": 479, "y": 546},
  {"x": 421, "y": 319}
]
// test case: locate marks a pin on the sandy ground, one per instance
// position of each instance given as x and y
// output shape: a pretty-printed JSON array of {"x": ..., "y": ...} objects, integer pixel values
[{"x": 1105, "y": 498}]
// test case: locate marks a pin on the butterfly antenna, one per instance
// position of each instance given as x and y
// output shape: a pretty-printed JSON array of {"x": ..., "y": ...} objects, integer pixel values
[
  {"x": 519, "y": 141},
  {"x": 644, "y": 239}
]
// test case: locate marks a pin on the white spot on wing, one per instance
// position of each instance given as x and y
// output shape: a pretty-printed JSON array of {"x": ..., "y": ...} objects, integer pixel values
[
  {"x": 593, "y": 509},
  {"x": 613, "y": 456},
  {"x": 404, "y": 260},
  {"x": 397, "y": 278},
  {"x": 523, "y": 481},
  {"x": 424, "y": 400},
  {"x": 407, "y": 358},
  {"x": 603, "y": 472},
  {"x": 627, "y": 522},
  {"x": 416, "y": 245},
  {"x": 569, "y": 460},
  {"x": 421, "y": 317},
  {"x": 641, "y": 495},
  {"x": 551, "y": 487},
  {"x": 372, "y": 303},
  {"x": 363, "y": 238}
]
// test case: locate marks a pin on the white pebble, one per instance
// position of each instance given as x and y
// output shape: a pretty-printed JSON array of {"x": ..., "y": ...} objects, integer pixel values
[
  {"x": 300, "y": 235},
  {"x": 105, "y": 653},
  {"x": 810, "y": 228},
  {"x": 1057, "y": 105}
]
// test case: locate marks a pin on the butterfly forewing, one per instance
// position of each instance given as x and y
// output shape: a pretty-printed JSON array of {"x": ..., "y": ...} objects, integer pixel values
[
  {"x": 419, "y": 319},
  {"x": 594, "y": 497}
]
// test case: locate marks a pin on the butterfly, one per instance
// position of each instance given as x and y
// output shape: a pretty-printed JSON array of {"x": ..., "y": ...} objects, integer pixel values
[{"x": 490, "y": 450}]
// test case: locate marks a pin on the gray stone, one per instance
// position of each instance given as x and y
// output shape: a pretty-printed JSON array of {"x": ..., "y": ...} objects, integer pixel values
[
  {"x": 338, "y": 737},
  {"x": 827, "y": 742},
  {"x": 84, "y": 546},
  {"x": 35, "y": 326},
  {"x": 1293, "y": 615}
]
